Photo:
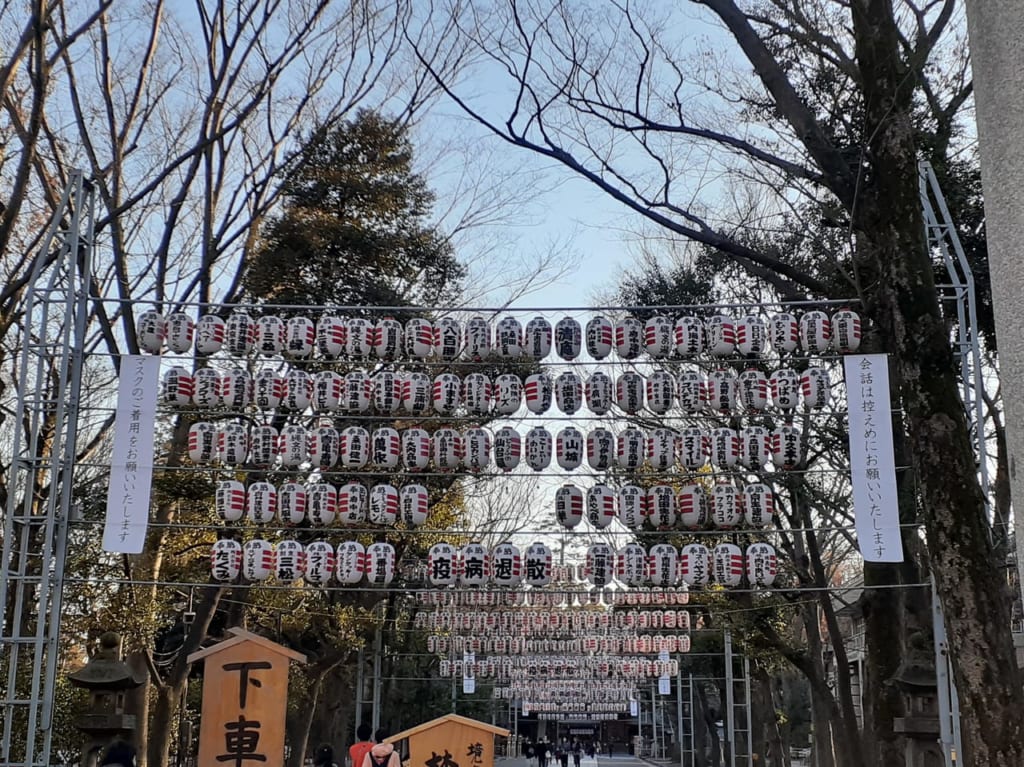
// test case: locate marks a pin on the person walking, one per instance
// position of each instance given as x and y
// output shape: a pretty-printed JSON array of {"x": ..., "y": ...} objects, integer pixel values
[
  {"x": 364, "y": 742},
  {"x": 577, "y": 753},
  {"x": 542, "y": 754}
]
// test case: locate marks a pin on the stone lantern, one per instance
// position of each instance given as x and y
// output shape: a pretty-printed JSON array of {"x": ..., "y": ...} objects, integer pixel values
[
  {"x": 107, "y": 678},
  {"x": 915, "y": 678}
]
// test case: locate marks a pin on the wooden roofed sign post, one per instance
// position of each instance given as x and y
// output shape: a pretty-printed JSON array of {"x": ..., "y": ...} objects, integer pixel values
[
  {"x": 451, "y": 741},
  {"x": 245, "y": 697}
]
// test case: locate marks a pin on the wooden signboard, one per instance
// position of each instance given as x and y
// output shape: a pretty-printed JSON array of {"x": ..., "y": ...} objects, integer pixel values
[
  {"x": 451, "y": 741},
  {"x": 245, "y": 695}
]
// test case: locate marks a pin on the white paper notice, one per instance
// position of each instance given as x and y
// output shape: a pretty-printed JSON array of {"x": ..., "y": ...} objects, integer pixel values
[
  {"x": 872, "y": 466},
  {"x": 131, "y": 464},
  {"x": 468, "y": 677}
]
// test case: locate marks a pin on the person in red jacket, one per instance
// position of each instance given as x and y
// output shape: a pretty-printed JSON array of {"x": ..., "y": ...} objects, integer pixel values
[{"x": 358, "y": 750}]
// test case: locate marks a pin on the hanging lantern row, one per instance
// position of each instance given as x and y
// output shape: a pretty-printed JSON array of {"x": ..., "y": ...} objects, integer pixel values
[
  {"x": 571, "y": 667},
  {"x": 317, "y": 563},
  {"x": 664, "y": 507},
  {"x": 597, "y": 687},
  {"x": 321, "y": 503},
  {"x": 335, "y": 337},
  {"x": 394, "y": 392},
  {"x": 645, "y": 644},
  {"x": 561, "y": 594},
  {"x": 539, "y": 623},
  {"x": 575, "y": 707},
  {"x": 575, "y": 717}
]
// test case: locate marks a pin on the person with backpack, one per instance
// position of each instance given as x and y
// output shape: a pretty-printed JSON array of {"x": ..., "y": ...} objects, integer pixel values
[
  {"x": 357, "y": 751},
  {"x": 382, "y": 754}
]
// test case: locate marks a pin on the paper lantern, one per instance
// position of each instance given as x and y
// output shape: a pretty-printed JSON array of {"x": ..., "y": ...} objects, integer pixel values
[
  {"x": 599, "y": 565},
  {"x": 599, "y": 393},
  {"x": 416, "y": 393},
  {"x": 291, "y": 503},
  {"x": 755, "y": 447},
  {"x": 751, "y": 336},
  {"x": 263, "y": 446},
  {"x": 508, "y": 447},
  {"x": 727, "y": 561},
  {"x": 355, "y": 447},
  {"x": 631, "y": 565},
  {"x": 384, "y": 504},
  {"x": 537, "y": 448},
  {"x": 726, "y": 506},
  {"x": 387, "y": 338},
  {"x": 351, "y": 563},
  {"x": 419, "y": 338},
  {"x": 658, "y": 336},
  {"x": 358, "y": 338},
  {"x": 725, "y": 447},
  {"x": 538, "y": 390},
  {"x": 509, "y": 338},
  {"x": 815, "y": 332},
  {"x": 663, "y": 565},
  {"x": 476, "y": 448},
  {"x": 447, "y": 338},
  {"x": 632, "y": 506},
  {"x": 385, "y": 448},
  {"x": 235, "y": 389},
  {"x": 815, "y": 386},
  {"x": 629, "y": 338},
  {"x": 380, "y": 563},
  {"x": 226, "y": 560},
  {"x": 257, "y": 560},
  {"x": 210, "y": 332},
  {"x": 206, "y": 388},
  {"x": 630, "y": 447},
  {"x": 328, "y": 392},
  {"x": 695, "y": 564},
  {"x": 446, "y": 393},
  {"x": 476, "y": 394},
  {"x": 202, "y": 442},
  {"x": 353, "y": 499},
  {"x": 474, "y": 565},
  {"x": 568, "y": 338},
  {"x": 568, "y": 392},
  {"x": 268, "y": 389},
  {"x": 506, "y": 565},
  {"x": 180, "y": 331},
  {"x": 239, "y": 334},
  {"x": 692, "y": 506},
  {"x": 537, "y": 563},
  {"x": 691, "y": 388},
  {"x": 477, "y": 338},
  {"x": 299, "y": 337},
  {"x": 784, "y": 385},
  {"x": 441, "y": 564},
  {"x": 292, "y": 445},
  {"x": 758, "y": 504},
  {"x": 600, "y": 506},
  {"x": 753, "y": 389},
  {"x": 232, "y": 444},
  {"x": 661, "y": 506},
  {"x": 786, "y": 447},
  {"x": 387, "y": 391},
  {"x": 320, "y": 561},
  {"x": 321, "y": 504},
  {"x": 298, "y": 391},
  {"x": 694, "y": 445},
  {"x": 599, "y": 335},
  {"x": 661, "y": 449},
  {"x": 721, "y": 391},
  {"x": 150, "y": 331},
  {"x": 537, "y": 338},
  {"x": 720, "y": 335},
  {"x": 846, "y": 331},
  {"x": 762, "y": 564},
  {"x": 269, "y": 335},
  {"x": 331, "y": 336},
  {"x": 177, "y": 387},
  {"x": 446, "y": 449},
  {"x": 568, "y": 506},
  {"x": 508, "y": 394},
  {"x": 569, "y": 448},
  {"x": 660, "y": 391},
  {"x": 414, "y": 503},
  {"x": 784, "y": 332},
  {"x": 261, "y": 503},
  {"x": 629, "y": 392},
  {"x": 415, "y": 449},
  {"x": 229, "y": 500},
  {"x": 688, "y": 336},
  {"x": 600, "y": 449}
]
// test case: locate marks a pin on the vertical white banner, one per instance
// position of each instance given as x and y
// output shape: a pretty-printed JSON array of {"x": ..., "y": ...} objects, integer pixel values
[
  {"x": 131, "y": 463},
  {"x": 872, "y": 465},
  {"x": 468, "y": 675}
]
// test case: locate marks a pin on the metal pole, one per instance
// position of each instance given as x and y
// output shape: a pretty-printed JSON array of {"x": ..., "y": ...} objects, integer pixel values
[
  {"x": 679, "y": 714},
  {"x": 730, "y": 718},
  {"x": 378, "y": 644},
  {"x": 654, "y": 722},
  {"x": 750, "y": 716},
  {"x": 693, "y": 742},
  {"x": 944, "y": 682},
  {"x": 360, "y": 686}
]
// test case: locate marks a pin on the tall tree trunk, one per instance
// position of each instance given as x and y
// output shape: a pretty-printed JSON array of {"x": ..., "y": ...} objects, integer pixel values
[{"x": 299, "y": 721}]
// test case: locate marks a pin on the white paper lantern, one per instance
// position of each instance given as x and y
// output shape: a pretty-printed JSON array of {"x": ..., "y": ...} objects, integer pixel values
[
  {"x": 180, "y": 331},
  {"x": 784, "y": 332},
  {"x": 206, "y": 388},
  {"x": 351, "y": 563},
  {"x": 385, "y": 448},
  {"x": 815, "y": 386},
  {"x": 416, "y": 394},
  {"x": 629, "y": 338},
  {"x": 384, "y": 505},
  {"x": 358, "y": 338},
  {"x": 331, "y": 336},
  {"x": 786, "y": 447},
  {"x": 688, "y": 335},
  {"x": 762, "y": 564},
  {"x": 784, "y": 385},
  {"x": 631, "y": 565},
  {"x": 150, "y": 331},
  {"x": 600, "y": 449},
  {"x": 474, "y": 565},
  {"x": 299, "y": 337},
  {"x": 292, "y": 445},
  {"x": 569, "y": 448},
  {"x": 629, "y": 392},
  {"x": 355, "y": 447},
  {"x": 695, "y": 564},
  {"x": 661, "y": 449},
  {"x": 414, "y": 503},
  {"x": 268, "y": 388},
  {"x": 380, "y": 563},
  {"x": 846, "y": 331},
  {"x": 229, "y": 500},
  {"x": 388, "y": 338},
  {"x": 257, "y": 560},
  {"x": 755, "y": 447},
  {"x": 321, "y": 504},
  {"x": 261, "y": 503},
  {"x": 599, "y": 566},
  {"x": 758, "y": 504},
  {"x": 226, "y": 560},
  {"x": 263, "y": 446},
  {"x": 447, "y": 338},
  {"x": 210, "y": 333},
  {"x": 658, "y": 336},
  {"x": 694, "y": 445},
  {"x": 600, "y": 334},
  {"x": 269, "y": 335},
  {"x": 692, "y": 506},
  {"x": 599, "y": 390},
  {"x": 446, "y": 393},
  {"x": 476, "y": 394},
  {"x": 387, "y": 391},
  {"x": 441, "y": 564},
  {"x": 660, "y": 391},
  {"x": 353, "y": 499},
  {"x": 661, "y": 506},
  {"x": 177, "y": 387},
  {"x": 815, "y": 332},
  {"x": 568, "y": 506},
  {"x": 298, "y": 391},
  {"x": 202, "y": 442},
  {"x": 291, "y": 503},
  {"x": 568, "y": 392},
  {"x": 320, "y": 561},
  {"x": 419, "y": 338},
  {"x": 446, "y": 449},
  {"x": 508, "y": 447},
  {"x": 239, "y": 334},
  {"x": 751, "y": 336},
  {"x": 630, "y": 447},
  {"x": 506, "y": 565},
  {"x": 328, "y": 392},
  {"x": 721, "y": 391},
  {"x": 538, "y": 390},
  {"x": 600, "y": 506},
  {"x": 477, "y": 338},
  {"x": 726, "y": 506},
  {"x": 537, "y": 338},
  {"x": 537, "y": 448},
  {"x": 568, "y": 338},
  {"x": 727, "y": 561},
  {"x": 720, "y": 335},
  {"x": 358, "y": 392},
  {"x": 509, "y": 338},
  {"x": 537, "y": 565},
  {"x": 753, "y": 388},
  {"x": 508, "y": 394},
  {"x": 725, "y": 447},
  {"x": 235, "y": 389},
  {"x": 232, "y": 444},
  {"x": 476, "y": 448},
  {"x": 415, "y": 449},
  {"x": 691, "y": 387},
  {"x": 663, "y": 565}
]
